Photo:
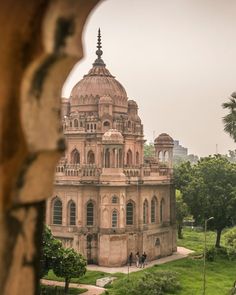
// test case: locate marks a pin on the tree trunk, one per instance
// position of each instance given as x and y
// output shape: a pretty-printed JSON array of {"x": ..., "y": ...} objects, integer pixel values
[
  {"x": 67, "y": 281},
  {"x": 218, "y": 236},
  {"x": 180, "y": 235}
]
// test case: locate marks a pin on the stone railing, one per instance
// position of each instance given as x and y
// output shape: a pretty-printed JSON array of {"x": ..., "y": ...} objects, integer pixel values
[
  {"x": 132, "y": 172},
  {"x": 77, "y": 170}
]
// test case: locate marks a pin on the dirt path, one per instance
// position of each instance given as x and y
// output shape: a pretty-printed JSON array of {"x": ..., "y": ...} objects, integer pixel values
[{"x": 92, "y": 290}]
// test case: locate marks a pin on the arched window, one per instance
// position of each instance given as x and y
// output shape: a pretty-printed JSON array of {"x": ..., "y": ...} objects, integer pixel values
[
  {"x": 70, "y": 123},
  {"x": 114, "y": 200},
  {"x": 145, "y": 212},
  {"x": 137, "y": 158},
  {"x": 72, "y": 213},
  {"x": 114, "y": 218},
  {"x": 129, "y": 158},
  {"x": 76, "y": 123},
  {"x": 160, "y": 156},
  {"x": 162, "y": 205},
  {"x": 75, "y": 157},
  {"x": 154, "y": 210},
  {"x": 107, "y": 158},
  {"x": 81, "y": 124},
  {"x": 90, "y": 213},
  {"x": 166, "y": 156},
  {"x": 106, "y": 124},
  {"x": 90, "y": 157},
  {"x": 129, "y": 213},
  {"x": 57, "y": 212}
]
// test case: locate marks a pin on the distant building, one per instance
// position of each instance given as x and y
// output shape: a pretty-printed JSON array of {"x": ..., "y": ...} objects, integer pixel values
[
  {"x": 107, "y": 202},
  {"x": 179, "y": 150}
]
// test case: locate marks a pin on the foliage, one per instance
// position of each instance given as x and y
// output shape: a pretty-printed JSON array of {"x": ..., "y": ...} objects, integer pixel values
[
  {"x": 51, "y": 248},
  {"x": 209, "y": 189},
  {"x": 230, "y": 119},
  {"x": 231, "y": 253},
  {"x": 69, "y": 264},
  {"x": 155, "y": 283},
  {"x": 230, "y": 237},
  {"x": 210, "y": 254},
  {"x": 57, "y": 290},
  {"x": 182, "y": 211},
  {"x": 149, "y": 150}
]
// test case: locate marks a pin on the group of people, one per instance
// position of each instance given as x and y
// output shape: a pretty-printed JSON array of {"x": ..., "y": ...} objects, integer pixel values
[{"x": 140, "y": 260}]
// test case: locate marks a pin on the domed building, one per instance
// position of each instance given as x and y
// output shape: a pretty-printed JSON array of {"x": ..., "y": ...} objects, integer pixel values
[{"x": 107, "y": 202}]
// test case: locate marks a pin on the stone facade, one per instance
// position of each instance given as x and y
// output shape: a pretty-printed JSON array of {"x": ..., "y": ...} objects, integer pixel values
[{"x": 107, "y": 202}]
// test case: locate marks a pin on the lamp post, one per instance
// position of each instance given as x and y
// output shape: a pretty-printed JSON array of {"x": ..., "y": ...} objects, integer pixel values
[{"x": 204, "y": 255}]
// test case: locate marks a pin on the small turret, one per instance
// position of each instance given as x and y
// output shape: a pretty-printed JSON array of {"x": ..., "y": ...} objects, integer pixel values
[{"x": 164, "y": 149}]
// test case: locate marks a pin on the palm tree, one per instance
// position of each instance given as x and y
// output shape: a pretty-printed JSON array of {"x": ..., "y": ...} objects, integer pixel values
[{"x": 230, "y": 119}]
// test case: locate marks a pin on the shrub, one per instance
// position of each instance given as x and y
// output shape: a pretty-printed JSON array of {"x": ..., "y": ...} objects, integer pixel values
[
  {"x": 210, "y": 254},
  {"x": 231, "y": 253},
  {"x": 157, "y": 283},
  {"x": 230, "y": 237}
]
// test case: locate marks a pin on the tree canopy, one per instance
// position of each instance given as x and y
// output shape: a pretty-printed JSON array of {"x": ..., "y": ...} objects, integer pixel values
[
  {"x": 70, "y": 264},
  {"x": 229, "y": 120},
  {"x": 65, "y": 262},
  {"x": 209, "y": 189}
]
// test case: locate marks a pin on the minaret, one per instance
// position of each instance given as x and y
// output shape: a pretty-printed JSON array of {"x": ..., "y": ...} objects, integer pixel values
[{"x": 99, "y": 61}]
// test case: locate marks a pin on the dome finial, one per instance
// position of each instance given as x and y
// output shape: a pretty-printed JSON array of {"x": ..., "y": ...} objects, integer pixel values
[{"x": 99, "y": 52}]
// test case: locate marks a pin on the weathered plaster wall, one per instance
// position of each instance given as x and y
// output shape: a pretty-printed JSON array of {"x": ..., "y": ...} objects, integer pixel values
[{"x": 40, "y": 43}]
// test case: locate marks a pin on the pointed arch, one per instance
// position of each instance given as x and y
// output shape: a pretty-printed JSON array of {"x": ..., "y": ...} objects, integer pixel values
[
  {"x": 90, "y": 157},
  {"x": 129, "y": 158},
  {"x": 145, "y": 211},
  {"x": 107, "y": 158},
  {"x": 154, "y": 209},
  {"x": 114, "y": 219},
  {"x": 71, "y": 213},
  {"x": 162, "y": 210},
  {"x": 57, "y": 211},
  {"x": 166, "y": 156},
  {"x": 130, "y": 206},
  {"x": 114, "y": 199},
  {"x": 76, "y": 123},
  {"x": 90, "y": 213},
  {"x": 75, "y": 156},
  {"x": 137, "y": 158}
]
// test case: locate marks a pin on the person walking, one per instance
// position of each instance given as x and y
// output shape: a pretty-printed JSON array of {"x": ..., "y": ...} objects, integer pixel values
[
  {"x": 142, "y": 261},
  {"x": 130, "y": 258},
  {"x": 137, "y": 257},
  {"x": 145, "y": 258}
]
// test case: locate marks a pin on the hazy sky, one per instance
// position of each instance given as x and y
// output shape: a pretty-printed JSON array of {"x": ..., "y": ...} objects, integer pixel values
[{"x": 176, "y": 58}]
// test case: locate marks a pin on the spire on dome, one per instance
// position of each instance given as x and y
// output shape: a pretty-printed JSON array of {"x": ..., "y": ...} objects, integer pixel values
[{"x": 99, "y": 61}]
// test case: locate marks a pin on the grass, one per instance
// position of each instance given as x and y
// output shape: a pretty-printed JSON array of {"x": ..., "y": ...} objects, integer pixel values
[
  {"x": 220, "y": 274},
  {"x": 56, "y": 290},
  {"x": 194, "y": 239},
  {"x": 89, "y": 278}
]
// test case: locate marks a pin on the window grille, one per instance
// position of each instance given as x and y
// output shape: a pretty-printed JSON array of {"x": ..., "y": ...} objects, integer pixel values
[{"x": 57, "y": 212}]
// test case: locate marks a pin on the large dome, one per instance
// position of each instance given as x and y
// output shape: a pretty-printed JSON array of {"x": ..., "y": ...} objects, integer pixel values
[{"x": 98, "y": 82}]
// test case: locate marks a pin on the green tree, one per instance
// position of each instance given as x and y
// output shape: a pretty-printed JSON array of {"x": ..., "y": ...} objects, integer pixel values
[
  {"x": 149, "y": 150},
  {"x": 211, "y": 191},
  {"x": 230, "y": 119},
  {"x": 69, "y": 264},
  {"x": 182, "y": 211},
  {"x": 51, "y": 249},
  {"x": 182, "y": 175}
]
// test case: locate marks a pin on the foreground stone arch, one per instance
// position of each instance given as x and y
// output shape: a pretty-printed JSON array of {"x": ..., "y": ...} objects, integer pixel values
[{"x": 40, "y": 43}]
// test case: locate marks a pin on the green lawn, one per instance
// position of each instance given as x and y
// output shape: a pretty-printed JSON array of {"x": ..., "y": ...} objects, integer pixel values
[
  {"x": 220, "y": 274},
  {"x": 56, "y": 290}
]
